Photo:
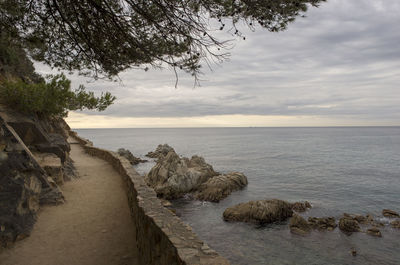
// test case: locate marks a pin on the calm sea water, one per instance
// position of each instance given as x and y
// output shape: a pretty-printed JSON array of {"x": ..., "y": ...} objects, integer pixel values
[{"x": 353, "y": 170}]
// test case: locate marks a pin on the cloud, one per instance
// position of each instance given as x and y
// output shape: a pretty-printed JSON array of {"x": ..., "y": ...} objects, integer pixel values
[{"x": 342, "y": 60}]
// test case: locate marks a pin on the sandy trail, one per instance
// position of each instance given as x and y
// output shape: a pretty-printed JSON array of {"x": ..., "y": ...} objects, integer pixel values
[{"x": 93, "y": 226}]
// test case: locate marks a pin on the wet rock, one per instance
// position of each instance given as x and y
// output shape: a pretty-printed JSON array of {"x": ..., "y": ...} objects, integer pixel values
[
  {"x": 361, "y": 219},
  {"x": 131, "y": 158},
  {"x": 298, "y": 225},
  {"x": 395, "y": 224},
  {"x": 172, "y": 176},
  {"x": 390, "y": 213},
  {"x": 264, "y": 211},
  {"x": 323, "y": 223},
  {"x": 301, "y": 206},
  {"x": 377, "y": 224},
  {"x": 353, "y": 252},
  {"x": 374, "y": 231},
  {"x": 348, "y": 225},
  {"x": 219, "y": 187},
  {"x": 161, "y": 151}
]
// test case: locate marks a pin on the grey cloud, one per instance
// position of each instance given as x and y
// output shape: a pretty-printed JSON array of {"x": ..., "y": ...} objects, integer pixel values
[{"x": 342, "y": 59}]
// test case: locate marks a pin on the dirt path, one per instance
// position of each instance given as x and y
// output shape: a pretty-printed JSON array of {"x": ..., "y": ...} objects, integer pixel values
[{"x": 92, "y": 227}]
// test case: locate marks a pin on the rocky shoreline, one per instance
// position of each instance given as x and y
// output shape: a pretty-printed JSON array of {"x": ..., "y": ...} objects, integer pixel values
[{"x": 174, "y": 176}]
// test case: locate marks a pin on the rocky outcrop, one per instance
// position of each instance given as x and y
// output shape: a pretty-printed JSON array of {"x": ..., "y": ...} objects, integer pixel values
[
  {"x": 348, "y": 225},
  {"x": 24, "y": 185},
  {"x": 263, "y": 212},
  {"x": 34, "y": 160},
  {"x": 131, "y": 158},
  {"x": 374, "y": 231},
  {"x": 390, "y": 213},
  {"x": 173, "y": 176},
  {"x": 161, "y": 151},
  {"x": 219, "y": 187},
  {"x": 52, "y": 165},
  {"x": 298, "y": 225},
  {"x": 322, "y": 223},
  {"x": 301, "y": 206}
]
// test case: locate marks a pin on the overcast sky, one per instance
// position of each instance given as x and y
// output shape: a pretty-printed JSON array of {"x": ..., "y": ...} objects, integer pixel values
[{"x": 338, "y": 66}]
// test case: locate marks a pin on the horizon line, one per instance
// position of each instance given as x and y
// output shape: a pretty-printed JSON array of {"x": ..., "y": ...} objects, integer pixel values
[{"x": 254, "y": 127}]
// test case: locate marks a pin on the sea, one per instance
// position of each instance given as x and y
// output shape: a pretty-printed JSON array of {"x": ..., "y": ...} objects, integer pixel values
[{"x": 338, "y": 170}]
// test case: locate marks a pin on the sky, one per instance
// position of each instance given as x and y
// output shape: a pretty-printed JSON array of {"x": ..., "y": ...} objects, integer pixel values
[{"x": 338, "y": 66}]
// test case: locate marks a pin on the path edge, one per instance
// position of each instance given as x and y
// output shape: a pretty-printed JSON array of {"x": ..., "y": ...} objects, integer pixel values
[{"x": 161, "y": 236}]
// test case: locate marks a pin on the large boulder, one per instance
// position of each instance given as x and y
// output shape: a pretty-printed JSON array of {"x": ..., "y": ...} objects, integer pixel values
[
  {"x": 390, "y": 213},
  {"x": 298, "y": 225},
  {"x": 131, "y": 158},
  {"x": 264, "y": 211},
  {"x": 219, "y": 187},
  {"x": 348, "y": 225},
  {"x": 173, "y": 176},
  {"x": 161, "y": 151}
]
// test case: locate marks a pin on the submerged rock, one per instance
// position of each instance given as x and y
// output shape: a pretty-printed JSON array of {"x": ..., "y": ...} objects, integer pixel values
[
  {"x": 173, "y": 176},
  {"x": 301, "y": 206},
  {"x": 348, "y": 225},
  {"x": 161, "y": 151},
  {"x": 328, "y": 223},
  {"x": 264, "y": 211},
  {"x": 395, "y": 224},
  {"x": 131, "y": 158},
  {"x": 298, "y": 225},
  {"x": 219, "y": 187},
  {"x": 374, "y": 231},
  {"x": 390, "y": 213}
]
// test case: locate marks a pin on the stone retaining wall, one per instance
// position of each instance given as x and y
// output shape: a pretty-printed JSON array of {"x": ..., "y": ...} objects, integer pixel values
[{"x": 162, "y": 238}]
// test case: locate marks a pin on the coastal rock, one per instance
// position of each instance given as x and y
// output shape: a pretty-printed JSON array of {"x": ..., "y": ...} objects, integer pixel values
[
  {"x": 301, "y": 206},
  {"x": 348, "y": 225},
  {"x": 395, "y": 224},
  {"x": 161, "y": 151},
  {"x": 131, "y": 158},
  {"x": 25, "y": 185},
  {"x": 298, "y": 225},
  {"x": 374, "y": 231},
  {"x": 52, "y": 165},
  {"x": 390, "y": 213},
  {"x": 328, "y": 223},
  {"x": 173, "y": 176},
  {"x": 264, "y": 211},
  {"x": 219, "y": 187}
]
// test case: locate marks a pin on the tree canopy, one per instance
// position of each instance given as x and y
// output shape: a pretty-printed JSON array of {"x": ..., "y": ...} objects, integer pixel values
[{"x": 104, "y": 37}]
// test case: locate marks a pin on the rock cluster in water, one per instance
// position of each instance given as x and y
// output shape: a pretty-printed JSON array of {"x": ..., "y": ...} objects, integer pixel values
[
  {"x": 173, "y": 176},
  {"x": 263, "y": 211},
  {"x": 131, "y": 158},
  {"x": 348, "y": 224}
]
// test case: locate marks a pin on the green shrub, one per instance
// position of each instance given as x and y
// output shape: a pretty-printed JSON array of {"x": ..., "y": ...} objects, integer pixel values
[{"x": 53, "y": 97}]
